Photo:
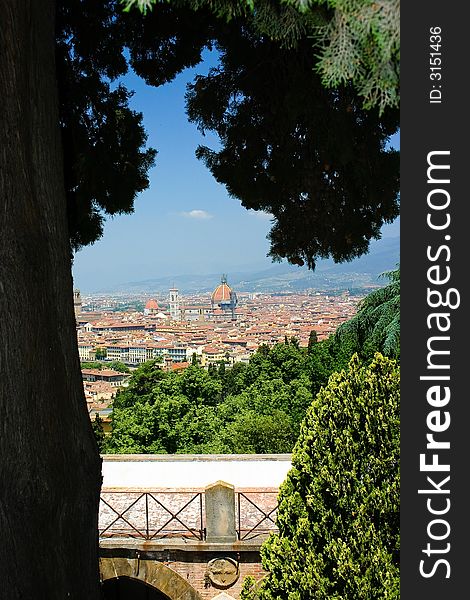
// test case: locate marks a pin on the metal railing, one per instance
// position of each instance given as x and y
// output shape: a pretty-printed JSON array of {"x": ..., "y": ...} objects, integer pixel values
[
  {"x": 151, "y": 515},
  {"x": 254, "y": 520}
]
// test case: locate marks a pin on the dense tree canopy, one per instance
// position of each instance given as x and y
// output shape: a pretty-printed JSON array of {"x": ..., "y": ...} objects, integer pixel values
[
  {"x": 105, "y": 160},
  {"x": 255, "y": 408},
  {"x": 105, "y": 165},
  {"x": 91, "y": 365},
  {"x": 338, "y": 513},
  {"x": 312, "y": 157},
  {"x": 356, "y": 41}
]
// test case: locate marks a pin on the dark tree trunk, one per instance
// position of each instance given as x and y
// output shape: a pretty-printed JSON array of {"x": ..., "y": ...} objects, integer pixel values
[{"x": 49, "y": 462}]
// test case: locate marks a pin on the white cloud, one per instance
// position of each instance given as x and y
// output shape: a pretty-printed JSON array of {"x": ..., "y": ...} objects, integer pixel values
[
  {"x": 260, "y": 214},
  {"x": 197, "y": 214}
]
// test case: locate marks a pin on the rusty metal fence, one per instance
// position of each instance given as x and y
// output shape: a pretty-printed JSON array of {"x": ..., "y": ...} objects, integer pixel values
[
  {"x": 256, "y": 514},
  {"x": 153, "y": 515}
]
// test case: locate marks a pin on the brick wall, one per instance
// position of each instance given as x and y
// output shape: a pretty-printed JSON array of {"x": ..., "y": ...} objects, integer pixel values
[
  {"x": 193, "y": 569},
  {"x": 191, "y": 565},
  {"x": 163, "y": 527}
]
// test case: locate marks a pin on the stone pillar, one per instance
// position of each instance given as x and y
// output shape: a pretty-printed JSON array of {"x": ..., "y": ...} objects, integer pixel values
[{"x": 220, "y": 512}]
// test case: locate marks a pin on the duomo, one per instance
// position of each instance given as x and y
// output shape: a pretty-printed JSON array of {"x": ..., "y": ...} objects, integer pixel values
[{"x": 222, "y": 306}]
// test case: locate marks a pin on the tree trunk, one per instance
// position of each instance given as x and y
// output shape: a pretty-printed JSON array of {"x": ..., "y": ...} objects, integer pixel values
[{"x": 49, "y": 462}]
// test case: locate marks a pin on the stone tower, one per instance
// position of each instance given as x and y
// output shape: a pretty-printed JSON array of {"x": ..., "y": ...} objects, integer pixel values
[
  {"x": 174, "y": 305},
  {"x": 77, "y": 303}
]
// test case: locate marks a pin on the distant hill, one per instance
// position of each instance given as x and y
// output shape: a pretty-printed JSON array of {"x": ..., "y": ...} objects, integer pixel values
[{"x": 358, "y": 275}]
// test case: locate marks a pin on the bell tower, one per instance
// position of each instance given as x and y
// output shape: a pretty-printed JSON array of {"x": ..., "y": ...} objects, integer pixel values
[
  {"x": 174, "y": 304},
  {"x": 77, "y": 303}
]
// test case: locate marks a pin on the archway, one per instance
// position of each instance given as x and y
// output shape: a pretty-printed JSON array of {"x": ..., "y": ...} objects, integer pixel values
[
  {"x": 128, "y": 588},
  {"x": 129, "y": 572}
]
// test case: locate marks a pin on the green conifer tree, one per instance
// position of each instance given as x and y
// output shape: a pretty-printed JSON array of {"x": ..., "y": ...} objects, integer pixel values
[
  {"x": 338, "y": 513},
  {"x": 312, "y": 340},
  {"x": 98, "y": 430},
  {"x": 357, "y": 41}
]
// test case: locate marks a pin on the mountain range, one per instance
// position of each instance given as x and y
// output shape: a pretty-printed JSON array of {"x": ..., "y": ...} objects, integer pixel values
[{"x": 358, "y": 275}]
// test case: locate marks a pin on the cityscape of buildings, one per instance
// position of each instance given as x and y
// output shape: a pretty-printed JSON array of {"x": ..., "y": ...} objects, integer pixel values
[{"x": 224, "y": 326}]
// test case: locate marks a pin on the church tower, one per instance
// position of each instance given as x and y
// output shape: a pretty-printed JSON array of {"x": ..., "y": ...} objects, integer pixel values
[
  {"x": 174, "y": 305},
  {"x": 77, "y": 303}
]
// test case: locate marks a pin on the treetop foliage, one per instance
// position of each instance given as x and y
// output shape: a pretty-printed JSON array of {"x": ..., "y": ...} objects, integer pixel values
[
  {"x": 255, "y": 408},
  {"x": 117, "y": 365},
  {"x": 356, "y": 41},
  {"x": 91, "y": 365},
  {"x": 312, "y": 157}
]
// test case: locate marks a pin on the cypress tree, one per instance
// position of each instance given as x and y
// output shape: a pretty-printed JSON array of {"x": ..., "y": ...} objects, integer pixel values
[{"x": 338, "y": 513}]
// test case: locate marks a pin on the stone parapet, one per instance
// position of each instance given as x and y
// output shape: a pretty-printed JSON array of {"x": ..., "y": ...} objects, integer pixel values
[{"x": 220, "y": 512}]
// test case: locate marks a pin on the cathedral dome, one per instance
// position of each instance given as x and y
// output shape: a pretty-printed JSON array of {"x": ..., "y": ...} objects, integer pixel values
[
  {"x": 222, "y": 293},
  {"x": 223, "y": 301},
  {"x": 151, "y": 306}
]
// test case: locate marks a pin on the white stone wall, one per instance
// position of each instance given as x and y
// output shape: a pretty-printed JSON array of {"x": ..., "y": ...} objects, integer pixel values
[{"x": 194, "y": 471}]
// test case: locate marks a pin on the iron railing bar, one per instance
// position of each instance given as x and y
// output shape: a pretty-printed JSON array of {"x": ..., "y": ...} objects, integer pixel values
[
  {"x": 201, "y": 531},
  {"x": 180, "y": 510},
  {"x": 266, "y": 516},
  {"x": 147, "y": 515},
  {"x": 258, "y": 533},
  {"x": 128, "y": 508},
  {"x": 121, "y": 516},
  {"x": 175, "y": 515},
  {"x": 176, "y": 532},
  {"x": 256, "y": 527},
  {"x": 239, "y": 516},
  {"x": 255, "y": 505},
  {"x": 125, "y": 521}
]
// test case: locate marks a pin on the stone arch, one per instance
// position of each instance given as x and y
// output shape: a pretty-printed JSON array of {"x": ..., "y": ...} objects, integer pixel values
[
  {"x": 128, "y": 588},
  {"x": 151, "y": 572}
]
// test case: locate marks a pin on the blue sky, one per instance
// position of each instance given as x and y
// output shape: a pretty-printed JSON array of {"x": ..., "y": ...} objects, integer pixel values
[{"x": 185, "y": 222}]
